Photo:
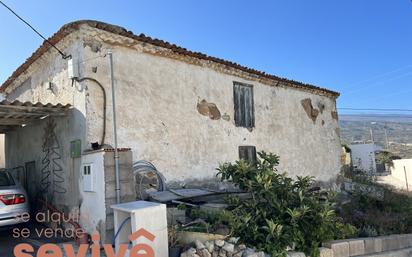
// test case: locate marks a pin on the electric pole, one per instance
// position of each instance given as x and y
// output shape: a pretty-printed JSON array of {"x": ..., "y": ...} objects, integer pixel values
[
  {"x": 386, "y": 138},
  {"x": 371, "y": 132}
]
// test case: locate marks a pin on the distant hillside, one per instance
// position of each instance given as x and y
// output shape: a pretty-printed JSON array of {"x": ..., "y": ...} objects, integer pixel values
[{"x": 356, "y": 128}]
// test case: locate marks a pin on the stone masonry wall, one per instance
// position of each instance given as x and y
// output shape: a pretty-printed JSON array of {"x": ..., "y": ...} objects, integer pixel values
[
  {"x": 382, "y": 246},
  {"x": 127, "y": 186},
  {"x": 160, "y": 116}
]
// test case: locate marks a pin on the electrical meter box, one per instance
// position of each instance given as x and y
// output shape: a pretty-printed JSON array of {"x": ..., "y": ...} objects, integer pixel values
[
  {"x": 88, "y": 178},
  {"x": 76, "y": 148},
  {"x": 72, "y": 69}
]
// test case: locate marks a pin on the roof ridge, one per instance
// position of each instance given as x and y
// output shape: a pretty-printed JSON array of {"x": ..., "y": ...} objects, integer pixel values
[{"x": 75, "y": 25}]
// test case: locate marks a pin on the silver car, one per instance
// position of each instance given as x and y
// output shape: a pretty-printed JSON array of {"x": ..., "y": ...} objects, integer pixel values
[{"x": 13, "y": 200}]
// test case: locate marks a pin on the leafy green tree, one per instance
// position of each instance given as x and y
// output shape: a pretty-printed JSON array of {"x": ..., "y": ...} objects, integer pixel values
[
  {"x": 281, "y": 212},
  {"x": 386, "y": 157}
]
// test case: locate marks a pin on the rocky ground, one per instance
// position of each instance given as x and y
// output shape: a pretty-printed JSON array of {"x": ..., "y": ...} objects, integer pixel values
[{"x": 220, "y": 248}]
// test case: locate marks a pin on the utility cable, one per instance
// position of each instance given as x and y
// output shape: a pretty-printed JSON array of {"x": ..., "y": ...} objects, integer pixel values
[
  {"x": 383, "y": 81},
  {"x": 104, "y": 104},
  {"x": 37, "y": 32},
  {"x": 375, "y": 109},
  {"x": 350, "y": 85},
  {"x": 118, "y": 231}
]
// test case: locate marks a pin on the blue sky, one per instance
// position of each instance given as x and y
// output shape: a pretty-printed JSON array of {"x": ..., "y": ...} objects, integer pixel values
[{"x": 361, "y": 48}]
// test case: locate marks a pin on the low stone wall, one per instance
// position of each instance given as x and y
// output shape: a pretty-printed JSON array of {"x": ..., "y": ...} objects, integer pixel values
[
  {"x": 399, "y": 253},
  {"x": 383, "y": 246}
]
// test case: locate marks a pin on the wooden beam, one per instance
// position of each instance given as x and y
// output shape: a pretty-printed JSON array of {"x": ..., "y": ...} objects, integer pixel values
[
  {"x": 5, "y": 129},
  {"x": 10, "y": 114},
  {"x": 11, "y": 121},
  {"x": 34, "y": 108},
  {"x": 25, "y": 113}
]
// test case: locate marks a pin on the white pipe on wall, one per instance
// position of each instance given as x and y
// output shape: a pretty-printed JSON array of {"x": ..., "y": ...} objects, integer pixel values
[{"x": 116, "y": 153}]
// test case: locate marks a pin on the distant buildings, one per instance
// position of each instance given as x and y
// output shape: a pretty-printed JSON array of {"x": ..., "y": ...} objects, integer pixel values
[{"x": 364, "y": 158}]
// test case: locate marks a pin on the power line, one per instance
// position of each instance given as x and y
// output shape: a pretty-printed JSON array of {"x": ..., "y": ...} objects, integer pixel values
[
  {"x": 38, "y": 33},
  {"x": 383, "y": 81},
  {"x": 375, "y": 109},
  {"x": 379, "y": 76},
  {"x": 386, "y": 96}
]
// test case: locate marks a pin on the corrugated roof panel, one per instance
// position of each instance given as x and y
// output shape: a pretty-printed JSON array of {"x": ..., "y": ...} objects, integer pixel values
[{"x": 16, "y": 114}]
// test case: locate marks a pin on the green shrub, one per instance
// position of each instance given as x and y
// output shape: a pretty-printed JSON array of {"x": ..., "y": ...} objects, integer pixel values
[
  {"x": 282, "y": 212},
  {"x": 212, "y": 221},
  {"x": 389, "y": 212}
]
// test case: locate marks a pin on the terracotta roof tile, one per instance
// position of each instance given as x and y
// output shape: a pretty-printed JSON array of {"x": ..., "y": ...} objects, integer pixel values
[{"x": 73, "y": 26}]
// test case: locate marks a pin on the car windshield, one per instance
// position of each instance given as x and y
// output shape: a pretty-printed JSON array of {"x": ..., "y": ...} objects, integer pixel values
[{"x": 6, "y": 179}]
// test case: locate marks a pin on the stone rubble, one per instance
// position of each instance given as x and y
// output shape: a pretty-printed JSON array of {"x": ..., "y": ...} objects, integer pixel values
[
  {"x": 221, "y": 248},
  {"x": 383, "y": 246}
]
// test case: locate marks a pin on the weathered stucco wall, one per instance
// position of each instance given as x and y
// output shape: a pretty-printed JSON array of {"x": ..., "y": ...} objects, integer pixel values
[
  {"x": 47, "y": 81},
  {"x": 157, "y": 100},
  {"x": 47, "y": 143},
  {"x": 157, "y": 97}
]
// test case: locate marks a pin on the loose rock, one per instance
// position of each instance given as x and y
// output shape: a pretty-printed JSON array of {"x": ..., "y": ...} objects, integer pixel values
[
  {"x": 233, "y": 240},
  {"x": 210, "y": 246},
  {"x": 249, "y": 253},
  {"x": 241, "y": 247},
  {"x": 238, "y": 254},
  {"x": 199, "y": 245},
  {"x": 228, "y": 247},
  {"x": 222, "y": 253},
  {"x": 219, "y": 243},
  {"x": 221, "y": 248},
  {"x": 260, "y": 254},
  {"x": 204, "y": 253}
]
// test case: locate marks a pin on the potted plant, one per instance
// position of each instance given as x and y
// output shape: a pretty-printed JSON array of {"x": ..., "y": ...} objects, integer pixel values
[{"x": 174, "y": 247}]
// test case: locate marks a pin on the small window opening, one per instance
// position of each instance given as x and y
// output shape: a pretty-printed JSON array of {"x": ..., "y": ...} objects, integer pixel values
[{"x": 248, "y": 153}]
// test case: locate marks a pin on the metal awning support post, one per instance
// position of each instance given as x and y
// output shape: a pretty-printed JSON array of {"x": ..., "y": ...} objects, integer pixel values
[{"x": 116, "y": 152}]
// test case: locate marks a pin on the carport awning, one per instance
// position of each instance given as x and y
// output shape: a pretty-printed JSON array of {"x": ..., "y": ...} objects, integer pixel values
[{"x": 17, "y": 114}]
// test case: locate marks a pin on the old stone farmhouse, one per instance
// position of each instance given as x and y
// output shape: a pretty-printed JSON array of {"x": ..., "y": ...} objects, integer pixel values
[{"x": 185, "y": 112}]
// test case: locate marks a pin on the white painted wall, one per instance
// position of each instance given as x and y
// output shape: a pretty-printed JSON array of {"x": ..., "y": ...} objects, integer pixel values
[
  {"x": 93, "y": 208},
  {"x": 363, "y": 156},
  {"x": 397, "y": 170},
  {"x": 144, "y": 215}
]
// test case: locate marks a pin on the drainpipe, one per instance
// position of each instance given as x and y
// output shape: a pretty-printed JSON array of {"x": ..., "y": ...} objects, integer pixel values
[{"x": 116, "y": 153}]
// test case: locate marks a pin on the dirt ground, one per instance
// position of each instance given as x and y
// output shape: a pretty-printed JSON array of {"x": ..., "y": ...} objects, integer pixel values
[{"x": 395, "y": 182}]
